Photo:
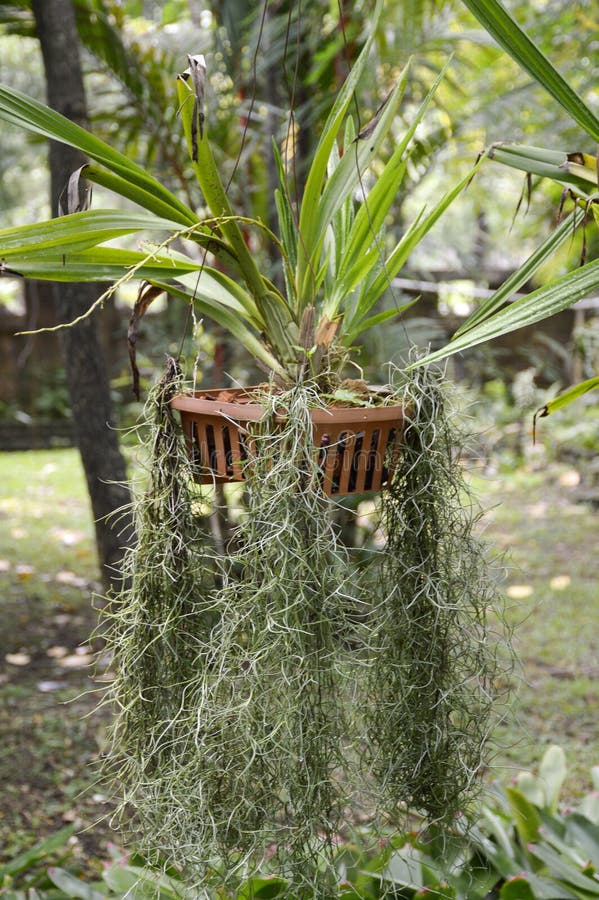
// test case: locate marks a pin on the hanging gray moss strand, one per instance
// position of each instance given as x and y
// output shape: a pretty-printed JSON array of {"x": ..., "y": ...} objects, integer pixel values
[
  {"x": 262, "y": 694},
  {"x": 430, "y": 692}
]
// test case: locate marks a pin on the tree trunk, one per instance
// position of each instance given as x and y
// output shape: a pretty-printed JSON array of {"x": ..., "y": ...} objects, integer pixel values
[{"x": 86, "y": 369}]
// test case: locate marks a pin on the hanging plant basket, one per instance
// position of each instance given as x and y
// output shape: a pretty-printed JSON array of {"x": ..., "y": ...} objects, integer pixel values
[{"x": 356, "y": 448}]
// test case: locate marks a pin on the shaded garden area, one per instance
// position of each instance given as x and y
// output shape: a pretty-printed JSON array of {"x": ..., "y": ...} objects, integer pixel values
[{"x": 301, "y": 663}]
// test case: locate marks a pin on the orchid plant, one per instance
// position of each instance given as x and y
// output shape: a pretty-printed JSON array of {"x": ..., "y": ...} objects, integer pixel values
[{"x": 336, "y": 259}]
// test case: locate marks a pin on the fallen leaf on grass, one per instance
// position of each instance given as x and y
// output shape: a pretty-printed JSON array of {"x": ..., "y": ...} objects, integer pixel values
[
  {"x": 18, "y": 659},
  {"x": 571, "y": 478},
  {"x": 519, "y": 591},
  {"x": 68, "y": 577},
  {"x": 76, "y": 661},
  {"x": 45, "y": 687},
  {"x": 56, "y": 652}
]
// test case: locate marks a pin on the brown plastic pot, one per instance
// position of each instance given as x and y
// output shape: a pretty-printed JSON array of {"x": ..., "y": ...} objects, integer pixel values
[{"x": 356, "y": 448}]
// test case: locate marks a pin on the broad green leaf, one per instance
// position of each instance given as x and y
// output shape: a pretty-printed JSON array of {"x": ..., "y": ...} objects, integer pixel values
[
  {"x": 140, "y": 883},
  {"x": 505, "y": 864},
  {"x": 542, "y": 889},
  {"x": 562, "y": 869},
  {"x": 563, "y": 399},
  {"x": 556, "y": 835},
  {"x": 584, "y": 835},
  {"x": 532, "y": 788},
  {"x": 509, "y": 35},
  {"x": 539, "y": 305},
  {"x": 589, "y": 805},
  {"x": 263, "y": 888},
  {"x": 40, "y": 850},
  {"x": 517, "y": 888},
  {"x": 521, "y": 276},
  {"x": 73, "y": 887},
  {"x": 500, "y": 830},
  {"x": 527, "y": 818},
  {"x": 24, "y": 112},
  {"x": 78, "y": 231}
]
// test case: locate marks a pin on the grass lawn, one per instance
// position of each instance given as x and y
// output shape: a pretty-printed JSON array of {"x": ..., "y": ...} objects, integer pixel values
[
  {"x": 552, "y": 588},
  {"x": 48, "y": 574}
]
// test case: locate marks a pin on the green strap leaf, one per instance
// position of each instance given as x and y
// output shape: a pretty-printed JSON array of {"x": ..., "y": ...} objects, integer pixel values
[
  {"x": 547, "y": 164},
  {"x": 567, "y": 397},
  {"x": 514, "y": 40},
  {"x": 377, "y": 319},
  {"x": 144, "y": 198},
  {"x": 421, "y": 226},
  {"x": 98, "y": 264},
  {"x": 346, "y": 176},
  {"x": 78, "y": 231},
  {"x": 309, "y": 217},
  {"x": 355, "y": 263},
  {"x": 229, "y": 319},
  {"x": 30, "y": 115},
  {"x": 273, "y": 307},
  {"x": 521, "y": 276},
  {"x": 562, "y": 869},
  {"x": 540, "y": 304}
]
